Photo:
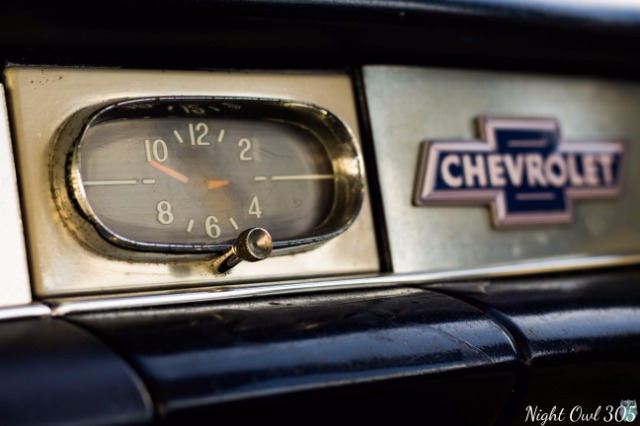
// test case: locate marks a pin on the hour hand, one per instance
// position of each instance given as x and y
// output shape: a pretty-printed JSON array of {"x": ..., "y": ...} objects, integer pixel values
[{"x": 215, "y": 184}]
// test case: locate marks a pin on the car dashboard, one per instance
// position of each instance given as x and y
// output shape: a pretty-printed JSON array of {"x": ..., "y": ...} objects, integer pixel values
[{"x": 252, "y": 210}]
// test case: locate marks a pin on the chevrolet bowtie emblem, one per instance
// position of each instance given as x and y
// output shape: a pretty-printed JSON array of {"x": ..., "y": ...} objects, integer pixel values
[{"x": 522, "y": 170}]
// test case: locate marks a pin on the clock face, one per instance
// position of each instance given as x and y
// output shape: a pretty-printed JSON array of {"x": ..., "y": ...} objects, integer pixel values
[{"x": 191, "y": 176}]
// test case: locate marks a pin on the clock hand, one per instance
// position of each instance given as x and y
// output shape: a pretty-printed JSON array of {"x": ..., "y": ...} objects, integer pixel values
[
  {"x": 214, "y": 184},
  {"x": 174, "y": 174}
]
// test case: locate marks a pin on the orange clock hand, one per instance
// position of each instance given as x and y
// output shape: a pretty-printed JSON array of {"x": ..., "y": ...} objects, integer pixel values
[
  {"x": 164, "y": 169},
  {"x": 213, "y": 184}
]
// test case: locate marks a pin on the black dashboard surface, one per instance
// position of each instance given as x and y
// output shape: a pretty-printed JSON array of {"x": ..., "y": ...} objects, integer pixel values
[{"x": 533, "y": 35}]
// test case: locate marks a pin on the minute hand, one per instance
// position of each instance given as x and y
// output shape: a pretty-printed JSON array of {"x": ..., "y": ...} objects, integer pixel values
[{"x": 174, "y": 174}]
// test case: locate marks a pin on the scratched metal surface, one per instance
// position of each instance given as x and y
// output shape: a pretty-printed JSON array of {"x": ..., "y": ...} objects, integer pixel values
[
  {"x": 46, "y": 98},
  {"x": 14, "y": 285},
  {"x": 408, "y": 105}
]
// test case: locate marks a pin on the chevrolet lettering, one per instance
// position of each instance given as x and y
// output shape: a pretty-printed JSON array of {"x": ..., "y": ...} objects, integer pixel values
[{"x": 522, "y": 169}]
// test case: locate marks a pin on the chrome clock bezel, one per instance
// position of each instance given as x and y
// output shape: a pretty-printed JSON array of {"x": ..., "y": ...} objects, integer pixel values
[{"x": 334, "y": 135}]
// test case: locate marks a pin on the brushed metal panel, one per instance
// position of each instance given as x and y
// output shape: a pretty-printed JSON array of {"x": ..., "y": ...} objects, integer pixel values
[
  {"x": 43, "y": 99},
  {"x": 408, "y": 105},
  {"x": 14, "y": 284}
]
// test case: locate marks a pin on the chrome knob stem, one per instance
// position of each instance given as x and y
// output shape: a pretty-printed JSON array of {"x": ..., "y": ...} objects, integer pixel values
[{"x": 252, "y": 245}]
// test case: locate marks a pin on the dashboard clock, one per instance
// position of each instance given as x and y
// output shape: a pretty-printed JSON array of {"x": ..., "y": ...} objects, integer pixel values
[
  {"x": 161, "y": 181},
  {"x": 189, "y": 174}
]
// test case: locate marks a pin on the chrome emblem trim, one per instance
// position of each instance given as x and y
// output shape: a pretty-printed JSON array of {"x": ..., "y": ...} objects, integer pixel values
[{"x": 522, "y": 168}]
